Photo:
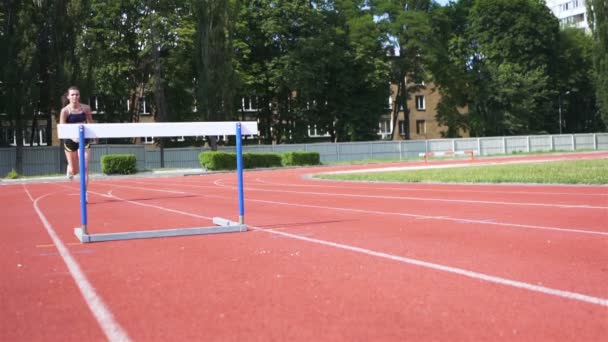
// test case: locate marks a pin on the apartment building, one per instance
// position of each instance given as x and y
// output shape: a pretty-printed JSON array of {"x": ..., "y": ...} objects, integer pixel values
[
  {"x": 421, "y": 124},
  {"x": 570, "y": 12}
]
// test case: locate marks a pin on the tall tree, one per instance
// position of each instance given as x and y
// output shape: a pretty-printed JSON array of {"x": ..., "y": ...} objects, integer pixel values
[
  {"x": 577, "y": 105},
  {"x": 449, "y": 65},
  {"x": 214, "y": 59},
  {"x": 511, "y": 55},
  {"x": 111, "y": 49},
  {"x": 598, "y": 21},
  {"x": 19, "y": 72},
  {"x": 409, "y": 37}
]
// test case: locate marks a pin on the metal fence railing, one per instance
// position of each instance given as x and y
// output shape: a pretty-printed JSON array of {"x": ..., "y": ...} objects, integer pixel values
[{"x": 51, "y": 160}]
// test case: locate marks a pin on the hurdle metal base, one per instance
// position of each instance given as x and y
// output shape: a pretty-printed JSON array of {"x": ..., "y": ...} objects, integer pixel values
[{"x": 224, "y": 226}]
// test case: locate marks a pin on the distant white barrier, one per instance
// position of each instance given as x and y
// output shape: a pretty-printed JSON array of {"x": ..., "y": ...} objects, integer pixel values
[{"x": 426, "y": 155}]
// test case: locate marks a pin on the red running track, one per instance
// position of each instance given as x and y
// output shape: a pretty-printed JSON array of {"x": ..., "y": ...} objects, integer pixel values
[{"x": 323, "y": 261}]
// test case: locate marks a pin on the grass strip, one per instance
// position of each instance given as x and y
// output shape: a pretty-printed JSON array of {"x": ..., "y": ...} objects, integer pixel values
[{"x": 563, "y": 172}]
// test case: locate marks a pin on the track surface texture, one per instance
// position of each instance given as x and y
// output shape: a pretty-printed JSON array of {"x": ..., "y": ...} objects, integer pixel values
[{"x": 321, "y": 261}]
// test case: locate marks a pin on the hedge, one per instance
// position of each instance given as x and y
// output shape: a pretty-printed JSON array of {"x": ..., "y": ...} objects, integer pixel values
[{"x": 123, "y": 164}]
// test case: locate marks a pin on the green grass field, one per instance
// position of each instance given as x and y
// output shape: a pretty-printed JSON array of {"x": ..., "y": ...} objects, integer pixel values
[{"x": 562, "y": 172}]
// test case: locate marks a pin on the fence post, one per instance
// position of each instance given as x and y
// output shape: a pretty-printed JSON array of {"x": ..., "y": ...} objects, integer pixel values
[
  {"x": 551, "y": 143},
  {"x": 504, "y": 145},
  {"x": 595, "y": 142},
  {"x": 337, "y": 151},
  {"x": 573, "y": 143}
]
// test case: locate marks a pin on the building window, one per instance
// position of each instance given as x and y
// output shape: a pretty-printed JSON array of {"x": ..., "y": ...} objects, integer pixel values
[
  {"x": 143, "y": 106},
  {"x": 402, "y": 128},
  {"x": 384, "y": 129},
  {"x": 315, "y": 132},
  {"x": 420, "y": 102},
  {"x": 8, "y": 136},
  {"x": 420, "y": 127},
  {"x": 249, "y": 104},
  {"x": 147, "y": 140}
]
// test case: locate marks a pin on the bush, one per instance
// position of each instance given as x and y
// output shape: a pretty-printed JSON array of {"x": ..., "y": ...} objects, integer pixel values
[
  {"x": 301, "y": 158},
  {"x": 253, "y": 160},
  {"x": 13, "y": 174},
  {"x": 122, "y": 164},
  {"x": 214, "y": 160}
]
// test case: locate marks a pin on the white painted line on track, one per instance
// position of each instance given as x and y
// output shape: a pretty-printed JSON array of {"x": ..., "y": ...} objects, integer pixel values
[
  {"x": 105, "y": 318},
  {"x": 454, "y": 270},
  {"x": 567, "y": 206},
  {"x": 417, "y": 216},
  {"x": 159, "y": 207},
  {"x": 249, "y": 188},
  {"x": 446, "y": 218},
  {"x": 438, "y": 267},
  {"x": 448, "y": 187}
]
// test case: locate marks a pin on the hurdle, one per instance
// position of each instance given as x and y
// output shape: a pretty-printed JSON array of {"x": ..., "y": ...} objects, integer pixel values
[
  {"x": 165, "y": 129},
  {"x": 426, "y": 155}
]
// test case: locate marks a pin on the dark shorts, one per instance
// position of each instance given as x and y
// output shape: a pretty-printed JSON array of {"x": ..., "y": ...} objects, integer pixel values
[{"x": 72, "y": 146}]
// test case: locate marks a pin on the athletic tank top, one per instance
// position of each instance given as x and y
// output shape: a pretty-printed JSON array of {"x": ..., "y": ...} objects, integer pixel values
[{"x": 76, "y": 117}]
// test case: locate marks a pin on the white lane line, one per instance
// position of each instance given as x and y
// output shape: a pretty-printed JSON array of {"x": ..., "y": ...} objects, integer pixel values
[
  {"x": 454, "y": 270},
  {"x": 463, "y": 272},
  {"x": 446, "y": 218},
  {"x": 220, "y": 183},
  {"x": 105, "y": 318},
  {"x": 384, "y": 186},
  {"x": 569, "y": 206},
  {"x": 159, "y": 207},
  {"x": 417, "y": 216}
]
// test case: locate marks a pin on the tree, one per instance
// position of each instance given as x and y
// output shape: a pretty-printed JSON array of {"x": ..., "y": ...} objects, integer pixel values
[
  {"x": 409, "y": 37},
  {"x": 19, "y": 71},
  {"x": 111, "y": 51},
  {"x": 510, "y": 53},
  {"x": 598, "y": 21},
  {"x": 317, "y": 65},
  {"x": 448, "y": 65},
  {"x": 577, "y": 95}
]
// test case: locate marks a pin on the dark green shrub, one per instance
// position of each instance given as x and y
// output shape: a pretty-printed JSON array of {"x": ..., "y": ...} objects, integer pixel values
[
  {"x": 255, "y": 160},
  {"x": 301, "y": 158},
  {"x": 13, "y": 174},
  {"x": 122, "y": 164},
  {"x": 215, "y": 160}
]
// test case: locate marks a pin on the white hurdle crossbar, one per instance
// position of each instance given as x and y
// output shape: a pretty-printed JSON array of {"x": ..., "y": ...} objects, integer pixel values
[{"x": 165, "y": 129}]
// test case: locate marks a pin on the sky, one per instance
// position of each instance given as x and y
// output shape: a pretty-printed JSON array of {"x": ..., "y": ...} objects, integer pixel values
[{"x": 442, "y": 2}]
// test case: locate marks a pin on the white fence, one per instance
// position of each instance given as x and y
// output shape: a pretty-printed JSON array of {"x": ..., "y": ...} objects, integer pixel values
[{"x": 51, "y": 160}]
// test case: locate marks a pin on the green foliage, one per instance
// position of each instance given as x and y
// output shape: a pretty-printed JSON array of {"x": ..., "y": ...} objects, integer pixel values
[
  {"x": 598, "y": 21},
  {"x": 13, "y": 174},
  {"x": 305, "y": 65},
  {"x": 501, "y": 65},
  {"x": 406, "y": 25},
  {"x": 255, "y": 160},
  {"x": 214, "y": 160},
  {"x": 576, "y": 89},
  {"x": 568, "y": 172},
  {"x": 123, "y": 164},
  {"x": 300, "y": 158}
]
